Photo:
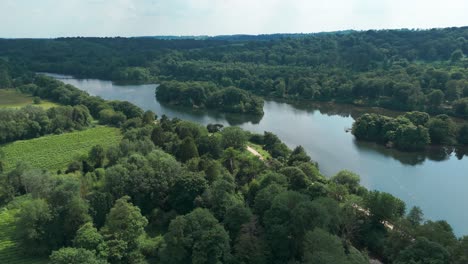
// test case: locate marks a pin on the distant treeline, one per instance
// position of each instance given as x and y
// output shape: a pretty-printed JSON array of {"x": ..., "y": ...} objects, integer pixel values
[{"x": 423, "y": 70}]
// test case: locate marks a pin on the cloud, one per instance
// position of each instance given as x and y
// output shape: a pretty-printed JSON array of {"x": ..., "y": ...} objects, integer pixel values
[{"x": 54, "y": 18}]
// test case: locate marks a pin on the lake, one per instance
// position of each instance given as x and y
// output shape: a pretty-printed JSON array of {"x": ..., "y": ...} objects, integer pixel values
[{"x": 435, "y": 180}]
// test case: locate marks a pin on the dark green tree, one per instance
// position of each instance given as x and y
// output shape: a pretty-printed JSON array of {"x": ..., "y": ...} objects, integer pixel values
[
  {"x": 187, "y": 150},
  {"x": 196, "y": 238}
]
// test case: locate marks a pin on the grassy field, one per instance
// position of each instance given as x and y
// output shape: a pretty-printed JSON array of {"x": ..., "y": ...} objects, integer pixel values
[
  {"x": 57, "y": 151},
  {"x": 10, "y": 98},
  {"x": 260, "y": 150},
  {"x": 10, "y": 252}
]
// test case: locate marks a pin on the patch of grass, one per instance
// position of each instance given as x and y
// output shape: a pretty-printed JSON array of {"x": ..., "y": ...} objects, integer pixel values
[
  {"x": 10, "y": 252},
  {"x": 260, "y": 150},
  {"x": 10, "y": 98},
  {"x": 55, "y": 152}
]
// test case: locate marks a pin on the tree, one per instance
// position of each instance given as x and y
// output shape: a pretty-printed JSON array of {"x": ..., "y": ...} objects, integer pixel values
[
  {"x": 75, "y": 256},
  {"x": 196, "y": 238},
  {"x": 296, "y": 178},
  {"x": 423, "y": 251},
  {"x": 417, "y": 118},
  {"x": 250, "y": 246},
  {"x": 236, "y": 216},
  {"x": 149, "y": 117},
  {"x": 410, "y": 137},
  {"x": 289, "y": 217},
  {"x": 435, "y": 98},
  {"x": 33, "y": 219},
  {"x": 347, "y": 178},
  {"x": 415, "y": 216},
  {"x": 234, "y": 137},
  {"x": 442, "y": 130},
  {"x": 124, "y": 226},
  {"x": 463, "y": 135},
  {"x": 2, "y": 157},
  {"x": 187, "y": 150},
  {"x": 438, "y": 231},
  {"x": 298, "y": 155},
  {"x": 384, "y": 206},
  {"x": 321, "y": 247},
  {"x": 457, "y": 55},
  {"x": 97, "y": 155},
  {"x": 185, "y": 190},
  {"x": 87, "y": 237},
  {"x": 460, "y": 252},
  {"x": 214, "y": 128}
]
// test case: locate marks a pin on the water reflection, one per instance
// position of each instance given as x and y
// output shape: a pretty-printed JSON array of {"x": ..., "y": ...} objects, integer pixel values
[{"x": 413, "y": 158}]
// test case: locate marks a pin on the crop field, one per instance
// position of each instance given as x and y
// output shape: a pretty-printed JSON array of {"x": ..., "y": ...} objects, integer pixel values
[
  {"x": 9, "y": 98},
  {"x": 10, "y": 252},
  {"x": 55, "y": 152}
]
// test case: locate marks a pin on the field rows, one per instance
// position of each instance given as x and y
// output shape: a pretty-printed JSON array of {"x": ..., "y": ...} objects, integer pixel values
[{"x": 55, "y": 152}]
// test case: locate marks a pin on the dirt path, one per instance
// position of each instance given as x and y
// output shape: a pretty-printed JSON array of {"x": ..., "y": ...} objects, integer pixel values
[{"x": 253, "y": 151}]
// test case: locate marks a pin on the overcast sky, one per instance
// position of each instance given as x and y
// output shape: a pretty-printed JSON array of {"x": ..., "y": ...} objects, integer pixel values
[{"x": 58, "y": 18}]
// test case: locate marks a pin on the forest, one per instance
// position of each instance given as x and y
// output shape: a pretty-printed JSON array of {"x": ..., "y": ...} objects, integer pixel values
[
  {"x": 423, "y": 70},
  {"x": 172, "y": 191}
]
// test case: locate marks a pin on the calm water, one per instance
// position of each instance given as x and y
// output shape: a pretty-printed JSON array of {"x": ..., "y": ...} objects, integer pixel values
[{"x": 436, "y": 180}]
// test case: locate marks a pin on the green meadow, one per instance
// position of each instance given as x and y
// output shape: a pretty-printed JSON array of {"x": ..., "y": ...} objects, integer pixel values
[
  {"x": 10, "y": 98},
  {"x": 55, "y": 152}
]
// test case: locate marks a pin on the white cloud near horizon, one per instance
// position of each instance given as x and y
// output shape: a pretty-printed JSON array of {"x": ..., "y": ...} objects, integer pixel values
[{"x": 59, "y": 18}]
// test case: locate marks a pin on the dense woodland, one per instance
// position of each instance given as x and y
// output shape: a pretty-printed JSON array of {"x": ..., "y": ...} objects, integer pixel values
[
  {"x": 422, "y": 70},
  {"x": 173, "y": 191}
]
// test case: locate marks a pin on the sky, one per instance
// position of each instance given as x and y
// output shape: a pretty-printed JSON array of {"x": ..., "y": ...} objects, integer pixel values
[{"x": 62, "y": 18}]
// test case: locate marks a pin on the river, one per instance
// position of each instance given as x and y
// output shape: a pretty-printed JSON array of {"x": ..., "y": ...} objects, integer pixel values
[{"x": 435, "y": 180}]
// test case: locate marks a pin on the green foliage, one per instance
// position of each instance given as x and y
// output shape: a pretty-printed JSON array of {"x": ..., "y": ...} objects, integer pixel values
[
  {"x": 250, "y": 246},
  {"x": 463, "y": 135},
  {"x": 412, "y": 131},
  {"x": 32, "y": 122},
  {"x": 11, "y": 250},
  {"x": 348, "y": 179},
  {"x": 442, "y": 130},
  {"x": 424, "y": 251},
  {"x": 88, "y": 237},
  {"x": 415, "y": 216},
  {"x": 207, "y": 94},
  {"x": 234, "y": 137},
  {"x": 34, "y": 216},
  {"x": 196, "y": 238},
  {"x": 276, "y": 211},
  {"x": 384, "y": 206},
  {"x": 97, "y": 155},
  {"x": 187, "y": 150},
  {"x": 320, "y": 247},
  {"x": 124, "y": 226},
  {"x": 460, "y": 253},
  {"x": 75, "y": 256}
]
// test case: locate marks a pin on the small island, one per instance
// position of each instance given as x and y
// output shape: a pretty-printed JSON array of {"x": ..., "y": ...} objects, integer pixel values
[
  {"x": 411, "y": 131},
  {"x": 208, "y": 95}
]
